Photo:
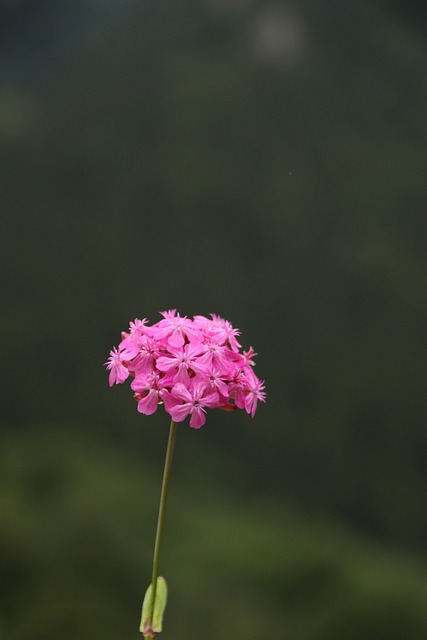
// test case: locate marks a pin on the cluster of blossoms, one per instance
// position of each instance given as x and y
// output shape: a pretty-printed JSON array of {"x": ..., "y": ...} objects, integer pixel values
[{"x": 186, "y": 365}]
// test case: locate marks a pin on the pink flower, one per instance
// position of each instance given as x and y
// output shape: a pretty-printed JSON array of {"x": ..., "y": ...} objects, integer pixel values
[
  {"x": 148, "y": 388},
  {"x": 118, "y": 371},
  {"x": 249, "y": 389},
  {"x": 175, "y": 329},
  {"x": 217, "y": 356},
  {"x": 188, "y": 366},
  {"x": 181, "y": 361},
  {"x": 225, "y": 332},
  {"x": 254, "y": 392},
  {"x": 131, "y": 342},
  {"x": 137, "y": 326},
  {"x": 145, "y": 358},
  {"x": 217, "y": 381},
  {"x": 192, "y": 401}
]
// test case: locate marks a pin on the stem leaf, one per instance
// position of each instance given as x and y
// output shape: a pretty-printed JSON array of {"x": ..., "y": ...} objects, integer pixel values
[{"x": 155, "y": 626}]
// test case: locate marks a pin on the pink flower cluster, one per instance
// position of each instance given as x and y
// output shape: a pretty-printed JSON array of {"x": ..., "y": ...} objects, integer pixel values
[{"x": 188, "y": 365}]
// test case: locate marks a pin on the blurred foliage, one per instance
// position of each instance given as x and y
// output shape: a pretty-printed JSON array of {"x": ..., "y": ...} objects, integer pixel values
[
  {"x": 76, "y": 532},
  {"x": 260, "y": 160}
]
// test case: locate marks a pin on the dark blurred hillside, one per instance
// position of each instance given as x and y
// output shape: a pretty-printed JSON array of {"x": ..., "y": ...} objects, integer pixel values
[{"x": 264, "y": 161}]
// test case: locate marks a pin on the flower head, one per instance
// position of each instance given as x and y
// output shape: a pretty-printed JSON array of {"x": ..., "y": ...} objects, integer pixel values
[{"x": 187, "y": 365}]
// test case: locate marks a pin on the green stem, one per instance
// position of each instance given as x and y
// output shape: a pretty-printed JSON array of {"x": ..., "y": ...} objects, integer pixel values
[{"x": 161, "y": 518}]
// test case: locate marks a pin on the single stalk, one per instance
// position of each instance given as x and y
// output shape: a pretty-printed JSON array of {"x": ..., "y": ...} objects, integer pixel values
[{"x": 161, "y": 518}]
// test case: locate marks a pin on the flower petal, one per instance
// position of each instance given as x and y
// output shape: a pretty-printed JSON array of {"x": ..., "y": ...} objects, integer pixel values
[
  {"x": 180, "y": 411},
  {"x": 198, "y": 418},
  {"x": 149, "y": 404},
  {"x": 180, "y": 392}
]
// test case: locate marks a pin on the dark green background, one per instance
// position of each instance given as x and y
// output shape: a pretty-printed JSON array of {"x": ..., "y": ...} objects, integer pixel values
[{"x": 265, "y": 161}]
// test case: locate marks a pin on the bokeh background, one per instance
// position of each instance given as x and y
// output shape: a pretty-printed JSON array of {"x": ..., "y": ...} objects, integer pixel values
[{"x": 265, "y": 161}]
